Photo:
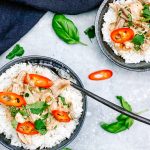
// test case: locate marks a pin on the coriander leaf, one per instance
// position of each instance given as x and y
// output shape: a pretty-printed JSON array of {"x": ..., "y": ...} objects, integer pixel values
[
  {"x": 40, "y": 126},
  {"x": 14, "y": 123},
  {"x": 23, "y": 111},
  {"x": 37, "y": 107},
  {"x": 63, "y": 100},
  {"x": 115, "y": 127},
  {"x": 55, "y": 127},
  {"x": 130, "y": 23},
  {"x": 66, "y": 148},
  {"x": 146, "y": 13},
  {"x": 122, "y": 117},
  {"x": 124, "y": 103},
  {"x": 65, "y": 29},
  {"x": 13, "y": 110},
  {"x": 40, "y": 88},
  {"x": 90, "y": 32},
  {"x": 44, "y": 117},
  {"x": 17, "y": 51}
]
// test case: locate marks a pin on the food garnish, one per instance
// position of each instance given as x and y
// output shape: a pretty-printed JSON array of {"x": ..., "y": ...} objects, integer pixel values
[
  {"x": 38, "y": 80},
  {"x": 12, "y": 99},
  {"x": 65, "y": 29},
  {"x": 40, "y": 126},
  {"x": 26, "y": 128},
  {"x": 61, "y": 116},
  {"x": 122, "y": 35},
  {"x": 123, "y": 122},
  {"x": 17, "y": 51},
  {"x": 90, "y": 32},
  {"x": 146, "y": 13},
  {"x": 101, "y": 75}
]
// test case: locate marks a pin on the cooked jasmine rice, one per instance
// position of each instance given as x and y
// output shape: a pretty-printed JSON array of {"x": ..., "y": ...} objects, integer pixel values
[
  {"x": 131, "y": 56},
  {"x": 52, "y": 137}
]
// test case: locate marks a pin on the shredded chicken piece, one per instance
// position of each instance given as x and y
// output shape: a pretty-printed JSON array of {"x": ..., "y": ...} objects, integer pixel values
[
  {"x": 58, "y": 86},
  {"x": 26, "y": 139}
]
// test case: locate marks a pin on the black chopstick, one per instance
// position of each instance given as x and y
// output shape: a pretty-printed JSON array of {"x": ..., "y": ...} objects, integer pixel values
[{"x": 111, "y": 105}]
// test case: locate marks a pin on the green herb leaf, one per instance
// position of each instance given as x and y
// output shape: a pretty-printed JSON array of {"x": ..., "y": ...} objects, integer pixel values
[
  {"x": 63, "y": 100},
  {"x": 14, "y": 123},
  {"x": 13, "y": 110},
  {"x": 123, "y": 122},
  {"x": 130, "y": 23},
  {"x": 90, "y": 32},
  {"x": 44, "y": 117},
  {"x": 37, "y": 107},
  {"x": 146, "y": 13},
  {"x": 23, "y": 111},
  {"x": 115, "y": 127},
  {"x": 40, "y": 88},
  {"x": 55, "y": 127},
  {"x": 40, "y": 126},
  {"x": 17, "y": 51},
  {"x": 124, "y": 103},
  {"x": 138, "y": 39},
  {"x": 65, "y": 29},
  {"x": 26, "y": 95}
]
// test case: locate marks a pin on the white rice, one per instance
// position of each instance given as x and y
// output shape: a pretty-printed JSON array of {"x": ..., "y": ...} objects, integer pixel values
[
  {"x": 129, "y": 56},
  {"x": 51, "y": 138}
]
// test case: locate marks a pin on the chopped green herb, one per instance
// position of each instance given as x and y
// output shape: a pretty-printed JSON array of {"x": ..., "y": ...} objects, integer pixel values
[
  {"x": 37, "y": 107},
  {"x": 13, "y": 111},
  {"x": 90, "y": 32},
  {"x": 138, "y": 40},
  {"x": 123, "y": 122},
  {"x": 14, "y": 123},
  {"x": 146, "y": 13},
  {"x": 44, "y": 117},
  {"x": 63, "y": 100},
  {"x": 26, "y": 95},
  {"x": 55, "y": 127},
  {"x": 17, "y": 51},
  {"x": 41, "y": 88},
  {"x": 23, "y": 111},
  {"x": 40, "y": 126},
  {"x": 130, "y": 23}
]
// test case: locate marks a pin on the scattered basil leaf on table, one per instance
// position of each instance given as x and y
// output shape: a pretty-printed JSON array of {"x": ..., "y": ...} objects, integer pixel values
[
  {"x": 40, "y": 126},
  {"x": 90, "y": 32},
  {"x": 138, "y": 40},
  {"x": 37, "y": 107},
  {"x": 17, "y": 51},
  {"x": 65, "y": 29},
  {"x": 123, "y": 122}
]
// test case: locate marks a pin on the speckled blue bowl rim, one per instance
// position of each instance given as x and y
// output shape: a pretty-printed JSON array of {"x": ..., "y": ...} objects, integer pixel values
[
  {"x": 107, "y": 50},
  {"x": 47, "y": 62}
]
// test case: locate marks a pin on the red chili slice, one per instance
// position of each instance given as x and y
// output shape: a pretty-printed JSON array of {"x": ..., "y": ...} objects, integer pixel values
[
  {"x": 122, "y": 35},
  {"x": 12, "y": 99},
  {"x": 61, "y": 116},
  {"x": 38, "y": 80},
  {"x": 101, "y": 75},
  {"x": 26, "y": 128}
]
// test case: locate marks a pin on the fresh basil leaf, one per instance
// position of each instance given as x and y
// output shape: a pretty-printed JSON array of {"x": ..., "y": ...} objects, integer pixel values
[
  {"x": 65, "y": 29},
  {"x": 17, "y": 51},
  {"x": 90, "y": 32},
  {"x": 14, "y": 123},
  {"x": 40, "y": 126},
  {"x": 66, "y": 148},
  {"x": 37, "y": 107},
  {"x": 13, "y": 110},
  {"x": 124, "y": 103},
  {"x": 129, "y": 122},
  {"x": 115, "y": 127},
  {"x": 122, "y": 117}
]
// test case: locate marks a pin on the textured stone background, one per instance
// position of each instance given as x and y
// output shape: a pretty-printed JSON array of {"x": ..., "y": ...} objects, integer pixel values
[{"x": 134, "y": 86}]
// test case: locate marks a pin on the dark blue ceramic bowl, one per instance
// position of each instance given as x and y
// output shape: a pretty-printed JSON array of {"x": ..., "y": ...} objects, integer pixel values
[
  {"x": 51, "y": 64},
  {"x": 107, "y": 50}
]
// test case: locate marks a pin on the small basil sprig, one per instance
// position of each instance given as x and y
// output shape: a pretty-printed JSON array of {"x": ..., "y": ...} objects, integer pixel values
[
  {"x": 123, "y": 122},
  {"x": 90, "y": 32},
  {"x": 66, "y": 29},
  {"x": 17, "y": 51}
]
